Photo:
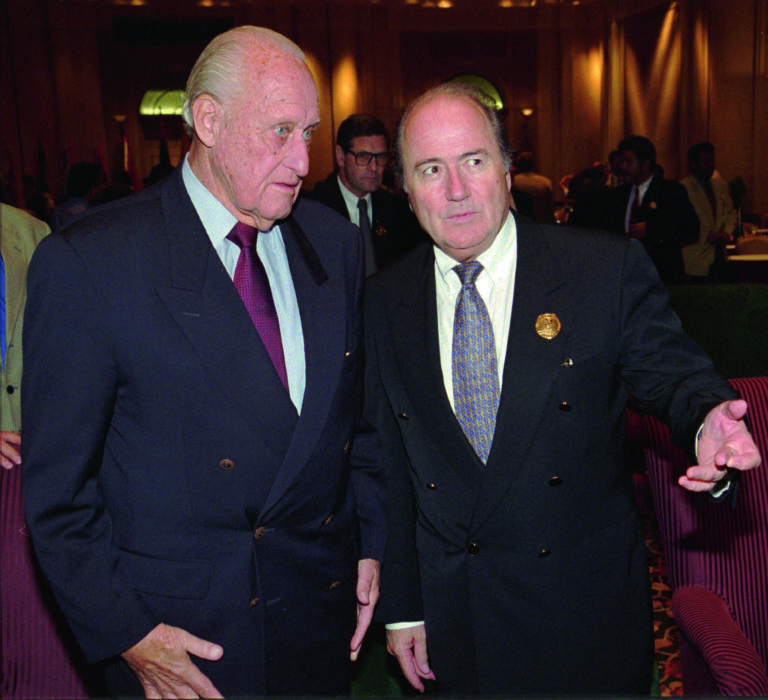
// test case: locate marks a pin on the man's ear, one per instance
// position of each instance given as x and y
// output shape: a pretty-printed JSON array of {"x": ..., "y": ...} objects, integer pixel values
[
  {"x": 339, "y": 151},
  {"x": 206, "y": 114}
]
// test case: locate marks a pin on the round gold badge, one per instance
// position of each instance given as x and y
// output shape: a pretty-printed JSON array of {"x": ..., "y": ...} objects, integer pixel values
[{"x": 548, "y": 326}]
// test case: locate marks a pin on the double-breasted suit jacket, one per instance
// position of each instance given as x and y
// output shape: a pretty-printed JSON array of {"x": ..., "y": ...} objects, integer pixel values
[
  {"x": 530, "y": 571},
  {"x": 395, "y": 228},
  {"x": 168, "y": 476}
]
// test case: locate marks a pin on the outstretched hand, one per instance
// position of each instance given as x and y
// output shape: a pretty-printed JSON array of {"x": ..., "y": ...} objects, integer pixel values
[{"x": 724, "y": 442}]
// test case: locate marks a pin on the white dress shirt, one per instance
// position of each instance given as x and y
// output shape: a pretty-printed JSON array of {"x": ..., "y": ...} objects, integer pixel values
[
  {"x": 351, "y": 200},
  {"x": 218, "y": 222},
  {"x": 496, "y": 285}
]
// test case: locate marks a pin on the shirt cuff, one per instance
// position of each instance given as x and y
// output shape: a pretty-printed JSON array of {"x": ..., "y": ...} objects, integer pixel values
[
  {"x": 402, "y": 625},
  {"x": 727, "y": 487}
]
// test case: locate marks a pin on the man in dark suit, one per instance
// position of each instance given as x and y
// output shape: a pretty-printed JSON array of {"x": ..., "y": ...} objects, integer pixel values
[
  {"x": 498, "y": 363},
  {"x": 362, "y": 154},
  {"x": 199, "y": 488},
  {"x": 654, "y": 210}
]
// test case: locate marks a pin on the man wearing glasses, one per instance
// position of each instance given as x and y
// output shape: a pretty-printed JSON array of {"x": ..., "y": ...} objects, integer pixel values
[{"x": 355, "y": 191}]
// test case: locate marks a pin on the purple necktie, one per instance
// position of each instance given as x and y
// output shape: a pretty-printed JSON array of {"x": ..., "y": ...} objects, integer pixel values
[{"x": 253, "y": 286}]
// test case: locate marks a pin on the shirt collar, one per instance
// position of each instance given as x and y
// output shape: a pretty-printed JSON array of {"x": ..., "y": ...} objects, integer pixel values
[
  {"x": 643, "y": 187},
  {"x": 217, "y": 220},
  {"x": 497, "y": 260},
  {"x": 350, "y": 198}
]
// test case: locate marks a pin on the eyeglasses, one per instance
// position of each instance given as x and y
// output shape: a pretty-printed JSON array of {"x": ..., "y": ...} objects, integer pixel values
[{"x": 364, "y": 158}]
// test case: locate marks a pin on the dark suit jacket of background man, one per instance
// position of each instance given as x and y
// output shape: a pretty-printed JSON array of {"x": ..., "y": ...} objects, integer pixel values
[
  {"x": 530, "y": 574},
  {"x": 670, "y": 222},
  {"x": 394, "y": 226},
  {"x": 201, "y": 500}
]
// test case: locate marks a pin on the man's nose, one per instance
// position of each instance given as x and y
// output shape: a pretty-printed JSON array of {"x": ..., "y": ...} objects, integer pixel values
[
  {"x": 456, "y": 185},
  {"x": 298, "y": 157}
]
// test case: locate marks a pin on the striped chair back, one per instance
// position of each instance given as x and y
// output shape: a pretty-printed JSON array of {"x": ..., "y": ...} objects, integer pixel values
[{"x": 720, "y": 549}]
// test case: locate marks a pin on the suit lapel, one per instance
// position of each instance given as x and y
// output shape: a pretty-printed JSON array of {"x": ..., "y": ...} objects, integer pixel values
[
  {"x": 414, "y": 331},
  {"x": 207, "y": 307},
  {"x": 531, "y": 365},
  {"x": 324, "y": 325},
  {"x": 338, "y": 202},
  {"x": 651, "y": 195}
]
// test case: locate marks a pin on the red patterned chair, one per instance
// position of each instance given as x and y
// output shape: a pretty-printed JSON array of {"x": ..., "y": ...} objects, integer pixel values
[{"x": 717, "y": 556}]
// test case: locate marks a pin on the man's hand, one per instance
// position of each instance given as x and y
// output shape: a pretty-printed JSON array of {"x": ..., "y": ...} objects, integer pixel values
[
  {"x": 725, "y": 442},
  {"x": 409, "y": 645},
  {"x": 637, "y": 230},
  {"x": 161, "y": 662},
  {"x": 10, "y": 449},
  {"x": 367, "y": 594}
]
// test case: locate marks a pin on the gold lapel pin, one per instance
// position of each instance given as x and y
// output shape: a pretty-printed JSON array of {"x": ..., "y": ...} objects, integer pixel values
[{"x": 548, "y": 326}]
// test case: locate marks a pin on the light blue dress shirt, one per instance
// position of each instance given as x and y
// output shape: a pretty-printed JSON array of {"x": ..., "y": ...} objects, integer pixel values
[{"x": 218, "y": 222}]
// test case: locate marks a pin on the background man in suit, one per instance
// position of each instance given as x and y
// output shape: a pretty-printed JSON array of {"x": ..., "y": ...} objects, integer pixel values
[
  {"x": 654, "y": 210},
  {"x": 21, "y": 233},
  {"x": 362, "y": 155},
  {"x": 513, "y": 531},
  {"x": 711, "y": 199},
  {"x": 191, "y": 479}
]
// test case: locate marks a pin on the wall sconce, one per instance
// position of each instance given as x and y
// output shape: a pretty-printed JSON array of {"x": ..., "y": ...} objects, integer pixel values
[{"x": 527, "y": 112}]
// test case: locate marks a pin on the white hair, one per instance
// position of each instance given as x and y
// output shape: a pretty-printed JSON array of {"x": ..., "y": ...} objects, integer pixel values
[{"x": 218, "y": 70}]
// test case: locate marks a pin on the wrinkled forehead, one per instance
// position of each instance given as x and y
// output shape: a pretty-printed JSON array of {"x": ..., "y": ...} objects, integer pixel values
[{"x": 271, "y": 74}]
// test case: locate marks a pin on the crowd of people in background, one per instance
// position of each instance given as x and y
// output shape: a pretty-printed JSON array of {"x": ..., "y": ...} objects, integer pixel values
[{"x": 591, "y": 198}]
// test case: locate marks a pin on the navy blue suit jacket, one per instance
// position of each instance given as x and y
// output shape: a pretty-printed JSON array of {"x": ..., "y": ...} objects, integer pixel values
[
  {"x": 530, "y": 571},
  {"x": 167, "y": 475}
]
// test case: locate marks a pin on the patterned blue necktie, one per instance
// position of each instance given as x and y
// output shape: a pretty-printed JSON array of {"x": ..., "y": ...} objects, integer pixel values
[{"x": 475, "y": 374}]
